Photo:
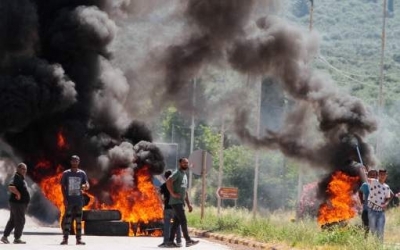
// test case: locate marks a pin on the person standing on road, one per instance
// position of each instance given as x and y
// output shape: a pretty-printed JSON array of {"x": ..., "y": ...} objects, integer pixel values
[
  {"x": 177, "y": 186},
  {"x": 363, "y": 194},
  {"x": 168, "y": 214},
  {"x": 73, "y": 181},
  {"x": 18, "y": 201}
]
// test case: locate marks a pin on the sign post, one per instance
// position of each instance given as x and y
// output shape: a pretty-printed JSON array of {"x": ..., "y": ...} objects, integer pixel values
[
  {"x": 203, "y": 183},
  {"x": 201, "y": 163},
  {"x": 228, "y": 193}
]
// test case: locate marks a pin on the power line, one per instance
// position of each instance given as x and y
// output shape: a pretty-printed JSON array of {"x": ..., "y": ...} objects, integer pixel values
[{"x": 345, "y": 74}]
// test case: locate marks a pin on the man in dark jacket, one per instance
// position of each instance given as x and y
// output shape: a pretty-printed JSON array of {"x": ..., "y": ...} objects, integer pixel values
[{"x": 19, "y": 200}]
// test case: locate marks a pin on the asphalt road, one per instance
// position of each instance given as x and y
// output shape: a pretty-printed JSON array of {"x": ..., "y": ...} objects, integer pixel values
[{"x": 44, "y": 237}]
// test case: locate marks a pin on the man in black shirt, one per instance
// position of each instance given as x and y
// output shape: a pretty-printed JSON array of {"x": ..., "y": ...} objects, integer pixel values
[{"x": 19, "y": 200}]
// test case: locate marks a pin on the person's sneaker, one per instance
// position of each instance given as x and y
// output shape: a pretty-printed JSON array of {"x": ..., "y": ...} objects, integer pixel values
[
  {"x": 19, "y": 241},
  {"x": 64, "y": 242},
  {"x": 191, "y": 243},
  {"x": 5, "y": 240},
  {"x": 171, "y": 245},
  {"x": 80, "y": 242},
  {"x": 162, "y": 245},
  {"x": 179, "y": 244}
]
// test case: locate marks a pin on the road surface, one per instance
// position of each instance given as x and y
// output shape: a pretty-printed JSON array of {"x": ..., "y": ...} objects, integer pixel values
[{"x": 40, "y": 237}]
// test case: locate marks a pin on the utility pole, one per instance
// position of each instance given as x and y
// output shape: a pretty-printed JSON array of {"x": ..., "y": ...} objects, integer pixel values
[
  {"x": 257, "y": 155},
  {"x": 311, "y": 14},
  {"x": 221, "y": 161},
  {"x": 382, "y": 76},
  {"x": 192, "y": 132},
  {"x": 172, "y": 133}
]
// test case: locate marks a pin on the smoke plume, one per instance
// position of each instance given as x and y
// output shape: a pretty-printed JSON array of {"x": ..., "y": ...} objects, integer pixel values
[
  {"x": 60, "y": 94},
  {"x": 230, "y": 33},
  {"x": 284, "y": 52},
  {"x": 315, "y": 127}
]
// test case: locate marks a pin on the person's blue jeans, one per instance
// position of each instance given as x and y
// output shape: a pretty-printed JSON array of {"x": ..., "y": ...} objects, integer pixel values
[
  {"x": 168, "y": 215},
  {"x": 377, "y": 221}
]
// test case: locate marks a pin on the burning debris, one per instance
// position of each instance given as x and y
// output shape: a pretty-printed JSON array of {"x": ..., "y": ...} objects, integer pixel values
[
  {"x": 341, "y": 203},
  {"x": 127, "y": 187},
  {"x": 334, "y": 225},
  {"x": 154, "y": 228}
]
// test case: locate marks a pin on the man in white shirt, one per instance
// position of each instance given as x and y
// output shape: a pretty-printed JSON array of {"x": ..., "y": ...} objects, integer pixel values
[{"x": 378, "y": 199}]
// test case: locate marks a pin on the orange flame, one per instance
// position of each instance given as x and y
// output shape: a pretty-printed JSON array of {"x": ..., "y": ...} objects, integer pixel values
[
  {"x": 340, "y": 205},
  {"x": 51, "y": 187},
  {"x": 138, "y": 202},
  {"x": 61, "y": 141}
]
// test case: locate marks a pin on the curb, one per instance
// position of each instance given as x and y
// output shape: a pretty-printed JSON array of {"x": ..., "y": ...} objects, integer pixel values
[{"x": 234, "y": 239}]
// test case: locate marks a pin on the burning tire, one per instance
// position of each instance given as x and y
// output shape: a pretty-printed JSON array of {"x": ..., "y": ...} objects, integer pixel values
[
  {"x": 101, "y": 215},
  {"x": 106, "y": 228}
]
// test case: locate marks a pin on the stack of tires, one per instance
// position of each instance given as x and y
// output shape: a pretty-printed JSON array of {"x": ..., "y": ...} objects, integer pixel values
[{"x": 104, "y": 223}]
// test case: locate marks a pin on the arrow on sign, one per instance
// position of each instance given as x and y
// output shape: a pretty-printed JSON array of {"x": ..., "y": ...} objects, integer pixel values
[{"x": 227, "y": 193}]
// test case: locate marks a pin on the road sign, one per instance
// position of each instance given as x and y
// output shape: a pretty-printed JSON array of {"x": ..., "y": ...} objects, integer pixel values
[
  {"x": 228, "y": 193},
  {"x": 196, "y": 159}
]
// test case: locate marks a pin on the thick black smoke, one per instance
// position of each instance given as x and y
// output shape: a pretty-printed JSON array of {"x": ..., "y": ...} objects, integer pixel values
[
  {"x": 211, "y": 26},
  {"x": 219, "y": 31},
  {"x": 284, "y": 52},
  {"x": 315, "y": 127},
  {"x": 59, "y": 93},
  {"x": 30, "y": 87}
]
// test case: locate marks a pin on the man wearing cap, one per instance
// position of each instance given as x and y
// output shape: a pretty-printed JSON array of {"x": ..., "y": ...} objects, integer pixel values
[
  {"x": 378, "y": 200},
  {"x": 73, "y": 181}
]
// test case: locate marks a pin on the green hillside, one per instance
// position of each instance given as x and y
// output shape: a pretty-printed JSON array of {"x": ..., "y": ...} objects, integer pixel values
[{"x": 351, "y": 40}]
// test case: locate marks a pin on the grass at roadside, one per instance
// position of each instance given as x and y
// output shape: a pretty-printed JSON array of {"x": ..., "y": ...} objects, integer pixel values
[{"x": 281, "y": 227}]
